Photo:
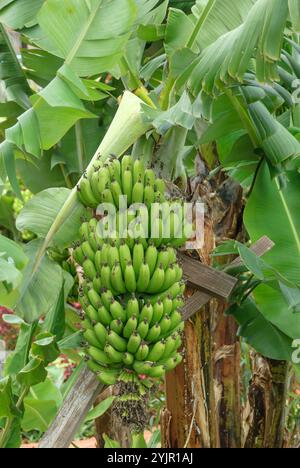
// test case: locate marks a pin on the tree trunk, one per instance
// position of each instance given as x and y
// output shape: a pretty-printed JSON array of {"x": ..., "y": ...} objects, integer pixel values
[
  {"x": 267, "y": 403},
  {"x": 107, "y": 424},
  {"x": 227, "y": 379},
  {"x": 211, "y": 343}
]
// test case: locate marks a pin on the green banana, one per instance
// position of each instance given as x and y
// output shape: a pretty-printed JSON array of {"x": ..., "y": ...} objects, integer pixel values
[
  {"x": 92, "y": 313},
  {"x": 105, "y": 277},
  {"x": 113, "y": 355},
  {"x": 157, "y": 351},
  {"x": 138, "y": 170},
  {"x": 86, "y": 324},
  {"x": 142, "y": 352},
  {"x": 104, "y": 254},
  {"x": 113, "y": 255},
  {"x": 149, "y": 177},
  {"x": 158, "y": 312},
  {"x": 104, "y": 316},
  {"x": 168, "y": 305},
  {"x": 91, "y": 338},
  {"x": 160, "y": 186},
  {"x": 117, "y": 311},
  {"x": 179, "y": 273},
  {"x": 172, "y": 255},
  {"x": 98, "y": 261},
  {"x": 170, "y": 346},
  {"x": 126, "y": 163},
  {"x": 89, "y": 269},
  {"x": 94, "y": 367},
  {"x": 132, "y": 307},
  {"x": 86, "y": 195},
  {"x": 143, "y": 278},
  {"x": 84, "y": 230},
  {"x": 92, "y": 241},
  {"x": 129, "y": 277},
  {"x": 93, "y": 224},
  {"x": 97, "y": 285},
  {"x": 154, "y": 333},
  {"x": 119, "y": 343},
  {"x": 156, "y": 281},
  {"x": 116, "y": 278},
  {"x": 116, "y": 192},
  {"x": 107, "y": 197},
  {"x": 142, "y": 367},
  {"x": 178, "y": 302},
  {"x": 130, "y": 326},
  {"x": 143, "y": 328},
  {"x": 108, "y": 377},
  {"x": 116, "y": 170},
  {"x": 106, "y": 297},
  {"x": 163, "y": 258},
  {"x": 128, "y": 359},
  {"x": 125, "y": 255},
  {"x": 149, "y": 196},
  {"x": 165, "y": 325},
  {"x": 117, "y": 326},
  {"x": 157, "y": 372},
  {"x": 127, "y": 183},
  {"x": 146, "y": 312},
  {"x": 174, "y": 291},
  {"x": 176, "y": 319},
  {"x": 138, "y": 192},
  {"x": 151, "y": 258},
  {"x": 170, "y": 278},
  {"x": 94, "y": 180},
  {"x": 101, "y": 334},
  {"x": 137, "y": 257},
  {"x": 172, "y": 362},
  {"x": 98, "y": 355},
  {"x": 79, "y": 255},
  {"x": 94, "y": 299},
  {"x": 134, "y": 343}
]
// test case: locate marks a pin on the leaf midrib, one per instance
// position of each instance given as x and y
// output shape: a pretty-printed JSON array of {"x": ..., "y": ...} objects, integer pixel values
[{"x": 289, "y": 216}]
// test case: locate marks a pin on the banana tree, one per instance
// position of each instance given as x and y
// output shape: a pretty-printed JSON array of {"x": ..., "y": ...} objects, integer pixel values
[{"x": 201, "y": 90}]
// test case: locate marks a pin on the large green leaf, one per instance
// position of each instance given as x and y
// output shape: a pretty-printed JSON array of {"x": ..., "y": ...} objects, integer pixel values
[
  {"x": 6, "y": 398},
  {"x": 40, "y": 212},
  {"x": 295, "y": 14},
  {"x": 38, "y": 175},
  {"x": 18, "y": 359},
  {"x": 228, "y": 58},
  {"x": 89, "y": 35},
  {"x": 265, "y": 337},
  {"x": 100, "y": 409},
  {"x": 40, "y": 289},
  {"x": 217, "y": 17},
  {"x": 273, "y": 210},
  {"x": 18, "y": 13},
  {"x": 40, "y": 406},
  {"x": 14, "y": 84},
  {"x": 14, "y": 251},
  {"x": 33, "y": 373}
]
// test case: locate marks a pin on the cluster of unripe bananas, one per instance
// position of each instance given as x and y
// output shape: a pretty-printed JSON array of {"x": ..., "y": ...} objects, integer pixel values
[{"x": 132, "y": 290}]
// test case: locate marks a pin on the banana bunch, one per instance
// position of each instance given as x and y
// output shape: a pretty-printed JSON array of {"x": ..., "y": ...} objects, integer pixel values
[
  {"x": 132, "y": 289},
  {"x": 132, "y": 332},
  {"x": 113, "y": 179},
  {"x": 67, "y": 263},
  {"x": 142, "y": 269}
]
